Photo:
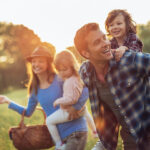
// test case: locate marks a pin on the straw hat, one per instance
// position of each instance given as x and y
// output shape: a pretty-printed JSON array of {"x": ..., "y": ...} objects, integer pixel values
[{"x": 40, "y": 51}]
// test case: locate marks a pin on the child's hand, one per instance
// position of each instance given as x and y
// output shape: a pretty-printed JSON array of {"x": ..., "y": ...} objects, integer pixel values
[
  {"x": 4, "y": 99},
  {"x": 119, "y": 52},
  {"x": 55, "y": 104}
]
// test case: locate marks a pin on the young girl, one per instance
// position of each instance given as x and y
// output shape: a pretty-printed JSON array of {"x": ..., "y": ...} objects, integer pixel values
[
  {"x": 67, "y": 67},
  {"x": 122, "y": 29}
]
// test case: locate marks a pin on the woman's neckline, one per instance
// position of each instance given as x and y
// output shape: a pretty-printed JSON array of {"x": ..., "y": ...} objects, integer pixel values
[{"x": 48, "y": 85}]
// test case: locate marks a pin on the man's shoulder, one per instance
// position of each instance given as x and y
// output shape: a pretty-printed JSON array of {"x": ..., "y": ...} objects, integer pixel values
[
  {"x": 85, "y": 72},
  {"x": 133, "y": 57},
  {"x": 128, "y": 57},
  {"x": 85, "y": 67},
  {"x": 132, "y": 54},
  {"x": 85, "y": 64}
]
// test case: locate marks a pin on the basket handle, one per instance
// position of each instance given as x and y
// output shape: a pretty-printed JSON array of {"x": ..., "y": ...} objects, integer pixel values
[{"x": 21, "y": 124}]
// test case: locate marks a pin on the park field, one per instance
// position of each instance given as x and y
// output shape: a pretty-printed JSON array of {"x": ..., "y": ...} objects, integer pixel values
[{"x": 9, "y": 118}]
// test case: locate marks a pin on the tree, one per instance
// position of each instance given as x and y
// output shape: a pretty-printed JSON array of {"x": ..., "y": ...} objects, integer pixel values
[
  {"x": 144, "y": 35},
  {"x": 16, "y": 42}
]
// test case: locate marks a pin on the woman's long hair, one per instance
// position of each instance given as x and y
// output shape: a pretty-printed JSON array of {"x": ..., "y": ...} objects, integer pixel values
[{"x": 34, "y": 82}]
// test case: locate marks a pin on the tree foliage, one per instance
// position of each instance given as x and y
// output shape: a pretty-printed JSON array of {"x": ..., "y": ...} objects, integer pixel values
[
  {"x": 144, "y": 35},
  {"x": 16, "y": 43}
]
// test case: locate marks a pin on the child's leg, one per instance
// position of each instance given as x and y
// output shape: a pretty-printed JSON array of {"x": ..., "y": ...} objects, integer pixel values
[
  {"x": 90, "y": 121},
  {"x": 57, "y": 117}
]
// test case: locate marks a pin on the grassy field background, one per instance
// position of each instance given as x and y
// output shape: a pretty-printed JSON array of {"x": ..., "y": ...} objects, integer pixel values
[{"x": 9, "y": 118}]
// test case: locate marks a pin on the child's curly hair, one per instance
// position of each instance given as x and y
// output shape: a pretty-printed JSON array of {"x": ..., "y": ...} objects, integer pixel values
[{"x": 130, "y": 24}]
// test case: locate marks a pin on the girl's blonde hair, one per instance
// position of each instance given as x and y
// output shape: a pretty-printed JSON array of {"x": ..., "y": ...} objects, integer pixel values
[{"x": 69, "y": 59}]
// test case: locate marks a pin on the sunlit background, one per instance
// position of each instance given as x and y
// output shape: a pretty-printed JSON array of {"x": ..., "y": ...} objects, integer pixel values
[
  {"x": 24, "y": 24},
  {"x": 56, "y": 21}
]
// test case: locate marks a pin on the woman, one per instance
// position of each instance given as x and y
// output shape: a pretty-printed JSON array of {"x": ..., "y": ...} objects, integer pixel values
[{"x": 45, "y": 87}]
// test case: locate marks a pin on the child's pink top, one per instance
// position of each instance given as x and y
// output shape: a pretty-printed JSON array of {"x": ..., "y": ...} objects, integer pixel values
[{"x": 72, "y": 90}]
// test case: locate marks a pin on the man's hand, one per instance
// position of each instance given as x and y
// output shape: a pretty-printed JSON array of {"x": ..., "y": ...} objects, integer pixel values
[
  {"x": 73, "y": 113},
  {"x": 4, "y": 99}
]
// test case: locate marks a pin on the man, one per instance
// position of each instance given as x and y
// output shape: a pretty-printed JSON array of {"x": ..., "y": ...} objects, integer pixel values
[{"x": 119, "y": 92}]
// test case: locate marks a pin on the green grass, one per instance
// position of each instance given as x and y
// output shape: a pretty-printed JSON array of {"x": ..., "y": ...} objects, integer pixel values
[{"x": 9, "y": 118}]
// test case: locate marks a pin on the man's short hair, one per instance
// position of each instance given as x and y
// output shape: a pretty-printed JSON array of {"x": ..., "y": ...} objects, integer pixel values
[{"x": 79, "y": 39}]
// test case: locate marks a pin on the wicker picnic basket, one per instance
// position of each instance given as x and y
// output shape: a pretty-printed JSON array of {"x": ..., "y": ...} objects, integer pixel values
[{"x": 34, "y": 137}]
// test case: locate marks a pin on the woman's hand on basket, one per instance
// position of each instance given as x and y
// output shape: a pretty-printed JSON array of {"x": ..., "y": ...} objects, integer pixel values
[{"x": 4, "y": 99}]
